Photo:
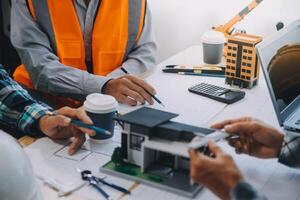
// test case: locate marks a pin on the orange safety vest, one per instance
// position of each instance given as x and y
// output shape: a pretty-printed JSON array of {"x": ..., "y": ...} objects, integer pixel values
[{"x": 117, "y": 27}]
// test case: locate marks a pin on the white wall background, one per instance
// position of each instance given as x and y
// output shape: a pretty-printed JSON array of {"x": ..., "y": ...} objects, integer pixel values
[{"x": 179, "y": 24}]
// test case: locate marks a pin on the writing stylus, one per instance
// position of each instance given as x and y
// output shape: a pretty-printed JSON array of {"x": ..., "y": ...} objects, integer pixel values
[{"x": 94, "y": 128}]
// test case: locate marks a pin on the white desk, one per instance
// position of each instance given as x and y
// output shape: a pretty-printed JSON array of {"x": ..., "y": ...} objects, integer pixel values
[
  {"x": 201, "y": 111},
  {"x": 267, "y": 175}
]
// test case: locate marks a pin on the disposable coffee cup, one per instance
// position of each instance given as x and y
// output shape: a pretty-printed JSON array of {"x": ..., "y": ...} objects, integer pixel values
[
  {"x": 213, "y": 44},
  {"x": 102, "y": 110}
]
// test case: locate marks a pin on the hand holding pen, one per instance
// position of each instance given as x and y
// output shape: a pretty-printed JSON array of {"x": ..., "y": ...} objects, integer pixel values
[
  {"x": 58, "y": 125},
  {"x": 130, "y": 90},
  {"x": 63, "y": 124}
]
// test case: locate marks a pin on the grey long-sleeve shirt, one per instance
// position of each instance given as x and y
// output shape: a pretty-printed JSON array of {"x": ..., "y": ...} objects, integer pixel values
[{"x": 51, "y": 76}]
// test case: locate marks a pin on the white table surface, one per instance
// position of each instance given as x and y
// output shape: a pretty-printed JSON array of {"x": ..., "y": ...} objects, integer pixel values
[
  {"x": 201, "y": 111},
  {"x": 196, "y": 110}
]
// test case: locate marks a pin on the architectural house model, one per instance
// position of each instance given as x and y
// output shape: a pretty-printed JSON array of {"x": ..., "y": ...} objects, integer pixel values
[{"x": 154, "y": 150}]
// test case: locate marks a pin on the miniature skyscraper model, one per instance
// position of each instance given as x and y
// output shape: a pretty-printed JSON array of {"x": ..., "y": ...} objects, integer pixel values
[{"x": 242, "y": 66}]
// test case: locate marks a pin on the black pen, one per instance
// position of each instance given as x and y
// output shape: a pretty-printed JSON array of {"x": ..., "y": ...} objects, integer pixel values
[
  {"x": 199, "y": 71},
  {"x": 154, "y": 97}
]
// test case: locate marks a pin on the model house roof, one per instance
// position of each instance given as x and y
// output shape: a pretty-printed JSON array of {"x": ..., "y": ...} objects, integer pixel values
[
  {"x": 156, "y": 124},
  {"x": 146, "y": 117}
]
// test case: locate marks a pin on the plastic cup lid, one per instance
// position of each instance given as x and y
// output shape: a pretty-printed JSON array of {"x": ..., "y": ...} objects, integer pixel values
[
  {"x": 100, "y": 103},
  {"x": 213, "y": 37}
]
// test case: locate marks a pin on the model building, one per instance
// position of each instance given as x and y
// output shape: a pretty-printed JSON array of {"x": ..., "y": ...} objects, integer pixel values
[
  {"x": 154, "y": 150},
  {"x": 242, "y": 66}
]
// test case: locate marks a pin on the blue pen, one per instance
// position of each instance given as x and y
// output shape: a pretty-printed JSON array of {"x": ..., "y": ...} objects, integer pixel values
[{"x": 94, "y": 128}]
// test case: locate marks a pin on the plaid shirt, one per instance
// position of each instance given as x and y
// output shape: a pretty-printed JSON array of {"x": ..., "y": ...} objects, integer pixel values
[
  {"x": 290, "y": 152},
  {"x": 18, "y": 109}
]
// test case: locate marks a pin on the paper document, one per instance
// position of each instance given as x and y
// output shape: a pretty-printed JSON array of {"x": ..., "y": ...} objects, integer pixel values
[{"x": 53, "y": 166}]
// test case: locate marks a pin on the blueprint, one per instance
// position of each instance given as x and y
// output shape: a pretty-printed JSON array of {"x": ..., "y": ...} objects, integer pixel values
[{"x": 51, "y": 162}]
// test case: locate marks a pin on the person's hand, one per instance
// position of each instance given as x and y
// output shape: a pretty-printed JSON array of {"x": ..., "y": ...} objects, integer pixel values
[
  {"x": 219, "y": 174},
  {"x": 130, "y": 90},
  {"x": 59, "y": 126},
  {"x": 255, "y": 137}
]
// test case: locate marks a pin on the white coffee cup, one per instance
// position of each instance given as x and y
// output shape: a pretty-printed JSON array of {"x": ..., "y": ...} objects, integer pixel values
[
  {"x": 213, "y": 44},
  {"x": 102, "y": 110}
]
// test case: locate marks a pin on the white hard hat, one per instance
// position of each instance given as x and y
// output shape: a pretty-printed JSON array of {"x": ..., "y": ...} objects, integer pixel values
[{"x": 17, "y": 179}]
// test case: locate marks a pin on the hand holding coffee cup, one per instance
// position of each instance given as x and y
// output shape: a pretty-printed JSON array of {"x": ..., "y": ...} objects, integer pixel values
[
  {"x": 213, "y": 45},
  {"x": 102, "y": 110}
]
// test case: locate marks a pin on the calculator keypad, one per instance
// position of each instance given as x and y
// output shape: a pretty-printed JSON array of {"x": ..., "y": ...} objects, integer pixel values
[
  {"x": 217, "y": 93},
  {"x": 210, "y": 89}
]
